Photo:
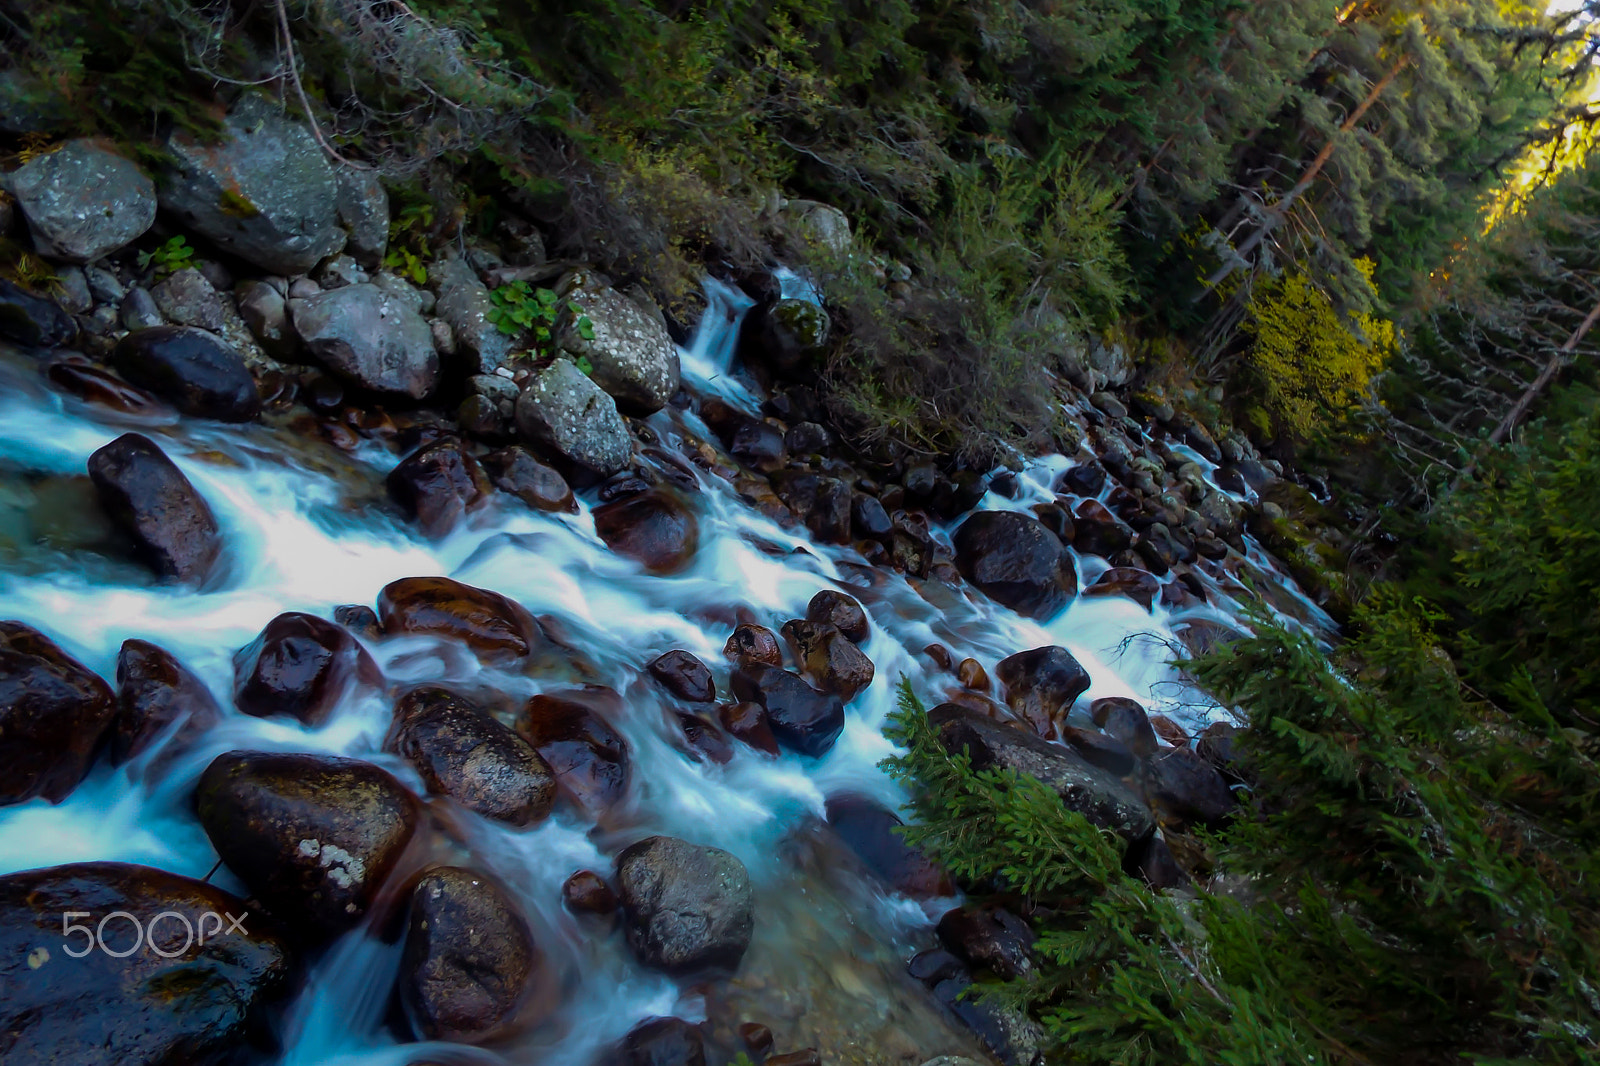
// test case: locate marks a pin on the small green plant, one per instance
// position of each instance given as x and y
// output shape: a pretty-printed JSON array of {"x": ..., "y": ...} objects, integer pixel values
[
  {"x": 519, "y": 308},
  {"x": 409, "y": 244},
  {"x": 172, "y": 256}
]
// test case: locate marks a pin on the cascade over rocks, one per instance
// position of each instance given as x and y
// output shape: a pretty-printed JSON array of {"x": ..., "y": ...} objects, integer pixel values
[
  {"x": 179, "y": 998},
  {"x": 1140, "y": 586},
  {"x": 370, "y": 337},
  {"x": 312, "y": 836},
  {"x": 265, "y": 193},
  {"x": 631, "y": 355},
  {"x": 1087, "y": 789},
  {"x": 867, "y": 829},
  {"x": 1017, "y": 561},
  {"x": 157, "y": 694},
  {"x": 497, "y": 628},
  {"x": 469, "y": 960},
  {"x": 827, "y": 658},
  {"x": 33, "y": 321},
  {"x": 462, "y": 751},
  {"x": 591, "y": 761},
  {"x": 53, "y": 711},
  {"x": 560, "y": 409},
  {"x": 688, "y": 907},
  {"x": 1041, "y": 685},
  {"x": 148, "y": 498},
  {"x": 801, "y": 718},
  {"x": 656, "y": 528},
  {"x": 190, "y": 369},
  {"x": 437, "y": 485},
  {"x": 83, "y": 201},
  {"x": 299, "y": 665}
]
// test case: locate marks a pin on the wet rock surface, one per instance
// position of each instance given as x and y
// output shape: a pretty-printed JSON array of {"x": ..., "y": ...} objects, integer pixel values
[
  {"x": 469, "y": 961},
  {"x": 33, "y": 320},
  {"x": 751, "y": 643},
  {"x": 631, "y": 354},
  {"x": 655, "y": 528},
  {"x": 497, "y": 628},
  {"x": 516, "y": 471},
  {"x": 148, "y": 498},
  {"x": 662, "y": 1042},
  {"x": 301, "y": 666},
  {"x": 868, "y": 829},
  {"x": 190, "y": 369},
  {"x": 688, "y": 907},
  {"x": 560, "y": 409},
  {"x": 568, "y": 728},
  {"x": 837, "y": 609},
  {"x": 1041, "y": 685},
  {"x": 178, "y": 998},
  {"x": 314, "y": 837},
  {"x": 801, "y": 718},
  {"x": 827, "y": 658},
  {"x": 53, "y": 711},
  {"x": 157, "y": 698},
  {"x": 1017, "y": 562},
  {"x": 586, "y": 892},
  {"x": 462, "y": 751},
  {"x": 369, "y": 337},
  {"x": 437, "y": 485},
  {"x": 684, "y": 676}
]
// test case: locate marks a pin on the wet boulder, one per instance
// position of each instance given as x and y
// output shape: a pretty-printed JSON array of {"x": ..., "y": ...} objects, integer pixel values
[
  {"x": 299, "y": 665},
  {"x": 462, "y": 751},
  {"x": 662, "y": 1042},
  {"x": 514, "y": 470},
  {"x": 801, "y": 718},
  {"x": 188, "y": 993},
  {"x": 1099, "y": 532},
  {"x": 148, "y": 498},
  {"x": 369, "y": 337},
  {"x": 654, "y": 528},
  {"x": 751, "y": 643},
  {"x": 53, "y": 711},
  {"x": 313, "y": 837},
  {"x": 786, "y": 335},
  {"x": 822, "y": 503},
  {"x": 469, "y": 961},
  {"x": 586, "y": 892},
  {"x": 83, "y": 201},
  {"x": 684, "y": 676},
  {"x": 1127, "y": 722},
  {"x": 33, "y": 321},
  {"x": 266, "y": 316},
  {"x": 1041, "y": 685},
  {"x": 264, "y": 192},
  {"x": 76, "y": 376},
  {"x": 991, "y": 937},
  {"x": 688, "y": 907},
  {"x": 630, "y": 353},
  {"x": 1182, "y": 785},
  {"x": 190, "y": 369},
  {"x": 1017, "y": 561},
  {"x": 437, "y": 485},
  {"x": 1098, "y": 795},
  {"x": 1085, "y": 479},
  {"x": 837, "y": 609},
  {"x": 747, "y": 722},
  {"x": 703, "y": 739},
  {"x": 591, "y": 761},
  {"x": 1140, "y": 586},
  {"x": 157, "y": 697},
  {"x": 497, "y": 628},
  {"x": 560, "y": 409},
  {"x": 1100, "y": 749},
  {"x": 868, "y": 829},
  {"x": 829, "y": 660}
]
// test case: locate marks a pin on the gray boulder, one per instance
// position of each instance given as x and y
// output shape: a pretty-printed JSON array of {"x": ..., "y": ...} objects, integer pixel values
[
  {"x": 465, "y": 305},
  {"x": 688, "y": 907},
  {"x": 632, "y": 355},
  {"x": 363, "y": 207},
  {"x": 563, "y": 410},
  {"x": 819, "y": 224},
  {"x": 1095, "y": 793},
  {"x": 367, "y": 335},
  {"x": 188, "y": 299},
  {"x": 83, "y": 201},
  {"x": 265, "y": 193},
  {"x": 267, "y": 317}
]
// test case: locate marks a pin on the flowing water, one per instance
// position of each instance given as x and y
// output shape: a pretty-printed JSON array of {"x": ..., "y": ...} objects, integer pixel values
[{"x": 308, "y": 529}]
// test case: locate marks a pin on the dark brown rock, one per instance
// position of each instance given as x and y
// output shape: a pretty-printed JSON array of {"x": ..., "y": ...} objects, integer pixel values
[
  {"x": 313, "y": 837},
  {"x": 462, "y": 751},
  {"x": 586, "y": 892},
  {"x": 662, "y": 1042},
  {"x": 830, "y": 661},
  {"x": 684, "y": 676},
  {"x": 688, "y": 907},
  {"x": 972, "y": 675},
  {"x": 359, "y": 619},
  {"x": 1096, "y": 794},
  {"x": 1169, "y": 731},
  {"x": 756, "y": 1038},
  {"x": 1016, "y": 561},
  {"x": 179, "y": 999},
  {"x": 748, "y": 722},
  {"x": 1151, "y": 860},
  {"x": 655, "y": 528},
  {"x": 157, "y": 697},
  {"x": 1041, "y": 685},
  {"x": 1187, "y": 788},
  {"x": 1085, "y": 479},
  {"x": 868, "y": 519},
  {"x": 1125, "y": 720},
  {"x": 753, "y": 644},
  {"x": 990, "y": 937},
  {"x": 704, "y": 739},
  {"x": 590, "y": 759},
  {"x": 802, "y": 719},
  {"x": 1138, "y": 585},
  {"x": 190, "y": 369},
  {"x": 53, "y": 711},
  {"x": 300, "y": 665},
  {"x": 437, "y": 485},
  {"x": 1098, "y": 531},
  {"x": 515, "y": 470},
  {"x": 822, "y": 503},
  {"x": 837, "y": 609},
  {"x": 498, "y": 629},
  {"x": 469, "y": 961},
  {"x": 1100, "y": 750},
  {"x": 147, "y": 497},
  {"x": 77, "y": 376},
  {"x": 868, "y": 829}
]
